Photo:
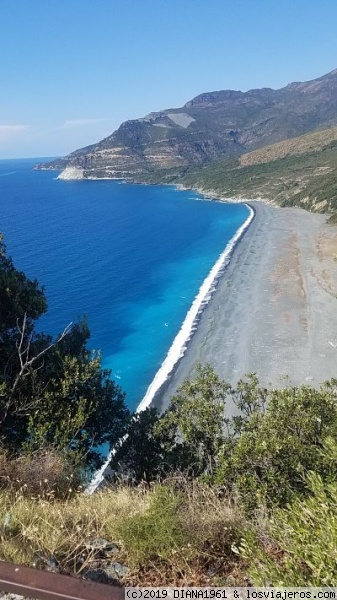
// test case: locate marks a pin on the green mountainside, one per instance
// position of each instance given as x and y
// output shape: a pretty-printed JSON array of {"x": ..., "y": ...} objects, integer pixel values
[{"x": 301, "y": 172}]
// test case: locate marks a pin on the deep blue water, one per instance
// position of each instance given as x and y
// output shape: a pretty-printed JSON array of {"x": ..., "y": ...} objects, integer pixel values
[{"x": 130, "y": 257}]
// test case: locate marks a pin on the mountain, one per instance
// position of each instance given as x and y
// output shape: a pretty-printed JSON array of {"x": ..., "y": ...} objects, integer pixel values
[{"x": 211, "y": 126}]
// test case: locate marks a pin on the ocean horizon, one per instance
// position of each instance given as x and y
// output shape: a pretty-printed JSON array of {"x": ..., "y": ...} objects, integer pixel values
[{"x": 140, "y": 261}]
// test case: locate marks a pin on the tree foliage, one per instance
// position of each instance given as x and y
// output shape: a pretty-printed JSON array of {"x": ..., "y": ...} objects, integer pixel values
[
  {"x": 141, "y": 454},
  {"x": 261, "y": 454},
  {"x": 187, "y": 437},
  {"x": 276, "y": 449},
  {"x": 196, "y": 419},
  {"x": 52, "y": 392}
]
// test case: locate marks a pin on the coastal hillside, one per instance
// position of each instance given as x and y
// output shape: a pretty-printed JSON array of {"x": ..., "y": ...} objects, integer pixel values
[
  {"x": 297, "y": 172},
  {"x": 211, "y": 126}
]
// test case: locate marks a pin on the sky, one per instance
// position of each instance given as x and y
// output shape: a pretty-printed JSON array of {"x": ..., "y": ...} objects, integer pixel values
[{"x": 71, "y": 71}]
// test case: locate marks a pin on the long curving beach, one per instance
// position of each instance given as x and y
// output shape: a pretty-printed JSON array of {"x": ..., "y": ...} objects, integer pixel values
[{"x": 274, "y": 311}]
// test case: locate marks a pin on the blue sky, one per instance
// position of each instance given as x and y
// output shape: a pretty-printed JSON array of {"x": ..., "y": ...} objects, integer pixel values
[{"x": 72, "y": 70}]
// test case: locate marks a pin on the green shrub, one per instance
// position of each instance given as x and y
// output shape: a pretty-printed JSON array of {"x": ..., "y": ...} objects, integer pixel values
[
  {"x": 156, "y": 533},
  {"x": 276, "y": 449},
  {"x": 300, "y": 546}
]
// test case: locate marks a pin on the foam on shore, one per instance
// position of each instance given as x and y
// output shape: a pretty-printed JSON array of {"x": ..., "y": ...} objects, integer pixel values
[{"x": 190, "y": 323}]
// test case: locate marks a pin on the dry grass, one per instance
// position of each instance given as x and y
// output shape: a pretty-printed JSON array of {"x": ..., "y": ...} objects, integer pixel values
[
  {"x": 310, "y": 142},
  {"x": 42, "y": 474},
  {"x": 201, "y": 526},
  {"x": 208, "y": 527},
  {"x": 35, "y": 530}
]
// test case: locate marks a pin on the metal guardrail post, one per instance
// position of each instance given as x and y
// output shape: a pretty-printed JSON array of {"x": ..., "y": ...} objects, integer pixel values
[{"x": 42, "y": 585}]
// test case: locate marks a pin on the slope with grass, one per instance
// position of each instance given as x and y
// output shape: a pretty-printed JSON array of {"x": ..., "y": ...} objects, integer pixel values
[{"x": 297, "y": 172}]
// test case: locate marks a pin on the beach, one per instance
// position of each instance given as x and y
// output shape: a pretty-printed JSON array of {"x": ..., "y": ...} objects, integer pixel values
[{"x": 274, "y": 310}]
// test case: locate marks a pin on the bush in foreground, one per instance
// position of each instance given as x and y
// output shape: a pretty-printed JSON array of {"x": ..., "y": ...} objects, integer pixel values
[
  {"x": 299, "y": 547},
  {"x": 262, "y": 454},
  {"x": 44, "y": 474}
]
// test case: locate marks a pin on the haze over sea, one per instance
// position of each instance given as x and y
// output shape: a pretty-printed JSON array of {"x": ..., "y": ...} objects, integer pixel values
[{"x": 130, "y": 257}]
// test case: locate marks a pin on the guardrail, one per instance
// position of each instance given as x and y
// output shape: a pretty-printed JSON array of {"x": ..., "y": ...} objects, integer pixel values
[{"x": 41, "y": 585}]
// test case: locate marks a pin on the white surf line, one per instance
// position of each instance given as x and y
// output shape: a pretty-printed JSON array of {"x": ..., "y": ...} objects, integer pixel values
[
  {"x": 179, "y": 345},
  {"x": 98, "y": 478},
  {"x": 190, "y": 322}
]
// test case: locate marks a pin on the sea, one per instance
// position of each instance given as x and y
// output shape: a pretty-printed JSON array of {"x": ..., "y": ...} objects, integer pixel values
[{"x": 139, "y": 261}]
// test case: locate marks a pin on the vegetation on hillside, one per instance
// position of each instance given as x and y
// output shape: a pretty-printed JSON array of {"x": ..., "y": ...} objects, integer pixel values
[
  {"x": 262, "y": 455},
  {"x": 296, "y": 172},
  {"x": 307, "y": 180},
  {"x": 254, "y": 503}
]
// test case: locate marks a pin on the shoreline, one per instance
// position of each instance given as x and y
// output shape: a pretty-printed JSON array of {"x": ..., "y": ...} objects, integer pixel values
[
  {"x": 182, "y": 340},
  {"x": 273, "y": 311},
  {"x": 215, "y": 196},
  {"x": 193, "y": 317}
]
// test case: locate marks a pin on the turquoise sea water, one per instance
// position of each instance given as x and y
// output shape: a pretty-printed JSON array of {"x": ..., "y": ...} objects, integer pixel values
[{"x": 130, "y": 257}]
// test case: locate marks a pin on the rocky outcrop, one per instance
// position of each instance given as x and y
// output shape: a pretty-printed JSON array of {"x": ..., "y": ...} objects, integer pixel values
[{"x": 71, "y": 173}]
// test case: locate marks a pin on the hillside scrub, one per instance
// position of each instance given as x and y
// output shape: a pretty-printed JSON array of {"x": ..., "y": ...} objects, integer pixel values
[
  {"x": 254, "y": 505},
  {"x": 300, "y": 544},
  {"x": 261, "y": 455},
  {"x": 179, "y": 532},
  {"x": 299, "y": 171}
]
